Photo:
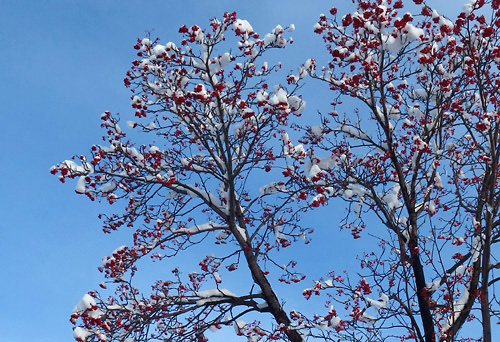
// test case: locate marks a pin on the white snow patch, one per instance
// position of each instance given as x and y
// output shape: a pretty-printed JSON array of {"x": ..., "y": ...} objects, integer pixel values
[
  {"x": 81, "y": 333},
  {"x": 243, "y": 26},
  {"x": 86, "y": 303}
]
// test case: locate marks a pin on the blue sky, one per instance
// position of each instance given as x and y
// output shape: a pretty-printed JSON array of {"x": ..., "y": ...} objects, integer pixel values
[{"x": 62, "y": 65}]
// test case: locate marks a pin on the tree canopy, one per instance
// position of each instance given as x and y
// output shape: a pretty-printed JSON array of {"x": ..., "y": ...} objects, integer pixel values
[{"x": 221, "y": 163}]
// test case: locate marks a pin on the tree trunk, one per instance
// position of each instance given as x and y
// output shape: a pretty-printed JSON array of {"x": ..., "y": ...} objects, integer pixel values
[
  {"x": 423, "y": 301},
  {"x": 275, "y": 308},
  {"x": 274, "y": 305},
  {"x": 485, "y": 271}
]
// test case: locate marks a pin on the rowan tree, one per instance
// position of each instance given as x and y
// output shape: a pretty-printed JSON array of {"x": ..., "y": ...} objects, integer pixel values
[
  {"x": 420, "y": 155},
  {"x": 212, "y": 128},
  {"x": 416, "y": 164}
]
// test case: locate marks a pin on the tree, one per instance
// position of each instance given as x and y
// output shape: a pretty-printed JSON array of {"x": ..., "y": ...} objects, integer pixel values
[
  {"x": 420, "y": 156},
  {"x": 218, "y": 125}
]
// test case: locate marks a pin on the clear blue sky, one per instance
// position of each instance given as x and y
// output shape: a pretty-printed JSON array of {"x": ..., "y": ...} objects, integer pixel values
[{"x": 63, "y": 64}]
